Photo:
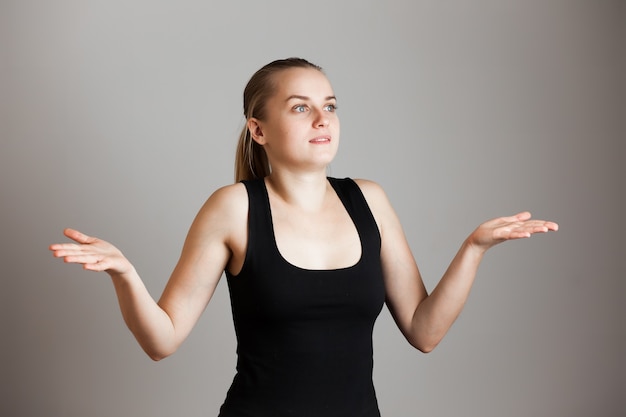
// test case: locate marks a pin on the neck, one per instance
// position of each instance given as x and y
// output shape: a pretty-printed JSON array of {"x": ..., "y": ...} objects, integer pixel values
[{"x": 307, "y": 191}]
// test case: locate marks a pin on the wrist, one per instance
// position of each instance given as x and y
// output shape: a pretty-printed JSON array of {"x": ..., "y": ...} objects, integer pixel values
[
  {"x": 125, "y": 275},
  {"x": 472, "y": 245}
]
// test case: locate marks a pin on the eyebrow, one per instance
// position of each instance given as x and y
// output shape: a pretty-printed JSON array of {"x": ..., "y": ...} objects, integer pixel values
[{"x": 299, "y": 97}]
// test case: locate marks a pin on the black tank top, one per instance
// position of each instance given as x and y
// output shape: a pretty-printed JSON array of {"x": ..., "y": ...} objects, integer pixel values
[{"x": 304, "y": 337}]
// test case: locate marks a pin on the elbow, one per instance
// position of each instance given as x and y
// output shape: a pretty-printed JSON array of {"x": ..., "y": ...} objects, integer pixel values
[
  {"x": 158, "y": 354},
  {"x": 156, "y": 348},
  {"x": 156, "y": 357},
  {"x": 424, "y": 339},
  {"x": 425, "y": 346}
]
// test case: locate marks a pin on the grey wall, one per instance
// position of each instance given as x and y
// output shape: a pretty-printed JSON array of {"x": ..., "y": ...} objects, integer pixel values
[{"x": 120, "y": 117}]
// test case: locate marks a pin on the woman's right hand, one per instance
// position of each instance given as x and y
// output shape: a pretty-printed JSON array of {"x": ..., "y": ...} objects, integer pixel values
[{"x": 92, "y": 253}]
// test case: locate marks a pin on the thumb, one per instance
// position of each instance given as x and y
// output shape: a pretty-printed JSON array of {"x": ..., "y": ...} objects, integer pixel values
[
  {"x": 78, "y": 236},
  {"x": 523, "y": 216}
]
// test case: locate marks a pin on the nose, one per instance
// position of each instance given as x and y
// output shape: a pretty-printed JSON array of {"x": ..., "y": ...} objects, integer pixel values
[{"x": 321, "y": 119}]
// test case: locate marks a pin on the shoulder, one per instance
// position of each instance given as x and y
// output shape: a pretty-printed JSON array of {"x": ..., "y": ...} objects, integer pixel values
[
  {"x": 377, "y": 200},
  {"x": 391, "y": 231},
  {"x": 225, "y": 208},
  {"x": 372, "y": 191},
  {"x": 229, "y": 196}
]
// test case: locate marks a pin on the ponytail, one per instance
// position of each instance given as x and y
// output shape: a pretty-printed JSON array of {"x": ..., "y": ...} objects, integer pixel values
[{"x": 250, "y": 160}]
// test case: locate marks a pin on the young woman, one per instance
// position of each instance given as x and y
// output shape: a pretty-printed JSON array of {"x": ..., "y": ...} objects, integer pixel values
[{"x": 309, "y": 261}]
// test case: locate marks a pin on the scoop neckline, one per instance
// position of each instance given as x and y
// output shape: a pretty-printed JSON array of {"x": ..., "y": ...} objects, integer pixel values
[{"x": 299, "y": 268}]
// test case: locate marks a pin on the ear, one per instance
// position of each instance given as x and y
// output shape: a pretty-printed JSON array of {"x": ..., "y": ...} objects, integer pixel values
[{"x": 256, "y": 130}]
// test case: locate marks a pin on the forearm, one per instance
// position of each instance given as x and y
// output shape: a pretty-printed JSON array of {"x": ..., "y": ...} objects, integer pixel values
[
  {"x": 436, "y": 313},
  {"x": 149, "y": 323}
]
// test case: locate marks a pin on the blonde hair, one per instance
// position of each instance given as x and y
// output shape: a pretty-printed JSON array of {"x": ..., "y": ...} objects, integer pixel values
[{"x": 251, "y": 160}]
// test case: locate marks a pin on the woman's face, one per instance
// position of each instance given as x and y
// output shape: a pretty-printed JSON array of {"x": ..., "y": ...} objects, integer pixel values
[{"x": 300, "y": 128}]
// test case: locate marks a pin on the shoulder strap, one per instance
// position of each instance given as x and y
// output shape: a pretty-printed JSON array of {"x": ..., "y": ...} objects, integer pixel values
[
  {"x": 260, "y": 230},
  {"x": 353, "y": 199},
  {"x": 259, "y": 213}
]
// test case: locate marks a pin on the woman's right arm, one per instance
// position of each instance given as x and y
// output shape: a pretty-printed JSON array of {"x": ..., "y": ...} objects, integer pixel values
[{"x": 160, "y": 328}]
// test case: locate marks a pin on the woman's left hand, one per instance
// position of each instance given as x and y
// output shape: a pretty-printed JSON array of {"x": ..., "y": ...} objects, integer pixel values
[{"x": 501, "y": 229}]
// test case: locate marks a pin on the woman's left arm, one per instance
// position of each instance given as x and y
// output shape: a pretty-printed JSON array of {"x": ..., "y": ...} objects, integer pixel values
[{"x": 424, "y": 318}]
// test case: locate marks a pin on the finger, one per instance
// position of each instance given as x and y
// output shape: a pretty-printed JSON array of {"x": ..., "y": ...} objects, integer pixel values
[
  {"x": 523, "y": 216},
  {"x": 552, "y": 226},
  {"x": 548, "y": 224},
  {"x": 78, "y": 236},
  {"x": 65, "y": 249},
  {"x": 541, "y": 225},
  {"x": 55, "y": 247},
  {"x": 516, "y": 218},
  {"x": 538, "y": 227},
  {"x": 62, "y": 253},
  {"x": 82, "y": 259},
  {"x": 541, "y": 229}
]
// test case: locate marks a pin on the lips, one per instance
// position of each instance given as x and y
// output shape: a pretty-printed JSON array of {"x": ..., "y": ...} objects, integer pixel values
[{"x": 320, "y": 139}]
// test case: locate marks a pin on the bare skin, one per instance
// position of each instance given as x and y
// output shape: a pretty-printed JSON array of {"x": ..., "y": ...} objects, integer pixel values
[{"x": 300, "y": 135}]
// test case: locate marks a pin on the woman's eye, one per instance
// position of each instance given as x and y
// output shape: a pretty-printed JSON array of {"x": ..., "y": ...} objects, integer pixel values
[
  {"x": 300, "y": 108},
  {"x": 330, "y": 107}
]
